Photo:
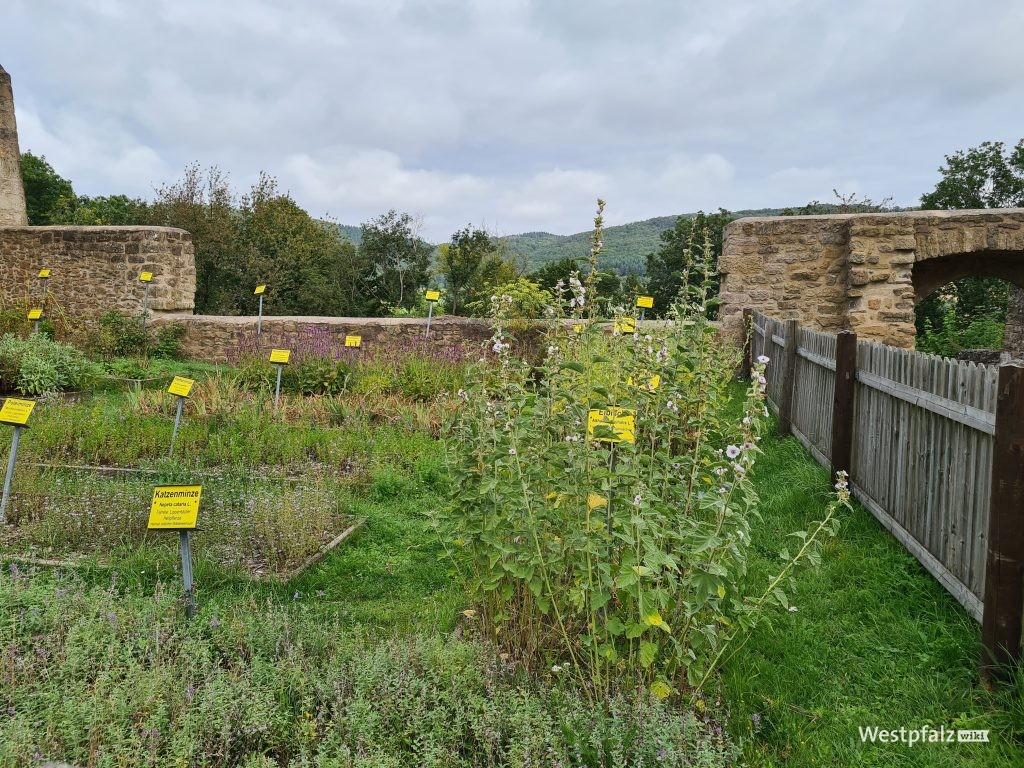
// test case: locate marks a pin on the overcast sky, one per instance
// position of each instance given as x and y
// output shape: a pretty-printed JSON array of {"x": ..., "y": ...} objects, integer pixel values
[{"x": 513, "y": 114}]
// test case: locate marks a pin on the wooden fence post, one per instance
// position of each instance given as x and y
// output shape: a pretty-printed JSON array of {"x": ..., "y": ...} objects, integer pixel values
[
  {"x": 1004, "y": 570},
  {"x": 842, "y": 404},
  {"x": 748, "y": 342},
  {"x": 788, "y": 379}
]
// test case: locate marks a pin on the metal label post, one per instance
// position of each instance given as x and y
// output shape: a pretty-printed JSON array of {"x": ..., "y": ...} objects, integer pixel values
[
  {"x": 177, "y": 423},
  {"x": 14, "y": 413},
  {"x": 186, "y": 575},
  {"x": 277, "y": 389},
  {"x": 259, "y": 318},
  {"x": 10, "y": 473},
  {"x": 430, "y": 315}
]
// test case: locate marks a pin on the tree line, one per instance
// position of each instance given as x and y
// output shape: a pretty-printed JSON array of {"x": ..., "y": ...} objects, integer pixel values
[{"x": 264, "y": 236}]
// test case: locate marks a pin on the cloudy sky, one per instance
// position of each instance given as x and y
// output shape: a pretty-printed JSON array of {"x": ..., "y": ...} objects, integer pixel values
[{"x": 516, "y": 114}]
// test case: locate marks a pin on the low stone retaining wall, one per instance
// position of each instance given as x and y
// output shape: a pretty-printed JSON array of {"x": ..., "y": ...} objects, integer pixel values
[{"x": 218, "y": 339}]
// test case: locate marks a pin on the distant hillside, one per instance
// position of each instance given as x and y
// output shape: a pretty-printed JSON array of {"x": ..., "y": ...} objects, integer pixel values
[{"x": 625, "y": 246}]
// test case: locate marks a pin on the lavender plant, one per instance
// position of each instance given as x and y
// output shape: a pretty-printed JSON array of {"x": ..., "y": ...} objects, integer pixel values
[{"x": 602, "y": 504}]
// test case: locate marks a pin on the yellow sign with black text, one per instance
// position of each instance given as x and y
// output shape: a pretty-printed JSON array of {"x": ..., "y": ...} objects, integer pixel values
[
  {"x": 175, "y": 507},
  {"x": 433, "y": 295},
  {"x": 16, "y": 412},
  {"x": 645, "y": 302},
  {"x": 353, "y": 341},
  {"x": 260, "y": 289},
  {"x": 280, "y": 356},
  {"x": 181, "y": 386},
  {"x": 625, "y": 325},
  {"x": 621, "y": 422},
  {"x": 44, "y": 273},
  {"x": 146, "y": 277},
  {"x": 35, "y": 314}
]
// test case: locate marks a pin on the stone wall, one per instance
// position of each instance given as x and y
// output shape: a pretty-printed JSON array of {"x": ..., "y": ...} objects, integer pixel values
[
  {"x": 12, "y": 193},
  {"x": 862, "y": 272},
  {"x": 216, "y": 338},
  {"x": 96, "y": 269}
]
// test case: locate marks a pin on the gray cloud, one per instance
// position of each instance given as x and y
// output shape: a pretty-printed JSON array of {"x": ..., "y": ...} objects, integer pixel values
[{"x": 515, "y": 113}]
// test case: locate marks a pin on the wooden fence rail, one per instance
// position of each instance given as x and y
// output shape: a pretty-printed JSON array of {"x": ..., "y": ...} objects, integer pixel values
[{"x": 934, "y": 448}]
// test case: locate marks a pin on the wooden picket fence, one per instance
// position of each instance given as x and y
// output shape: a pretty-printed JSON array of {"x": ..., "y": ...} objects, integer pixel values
[{"x": 934, "y": 448}]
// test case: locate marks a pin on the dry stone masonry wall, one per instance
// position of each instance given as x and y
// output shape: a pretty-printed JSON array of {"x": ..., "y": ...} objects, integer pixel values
[
  {"x": 96, "y": 269},
  {"x": 862, "y": 272}
]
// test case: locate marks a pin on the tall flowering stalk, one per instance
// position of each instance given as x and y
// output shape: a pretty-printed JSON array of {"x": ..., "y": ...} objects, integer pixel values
[{"x": 619, "y": 556}]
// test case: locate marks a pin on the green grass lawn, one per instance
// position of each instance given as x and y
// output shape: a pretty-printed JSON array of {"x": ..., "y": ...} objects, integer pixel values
[{"x": 875, "y": 641}]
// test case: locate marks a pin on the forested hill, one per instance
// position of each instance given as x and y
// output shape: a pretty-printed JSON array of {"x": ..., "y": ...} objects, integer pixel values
[{"x": 625, "y": 246}]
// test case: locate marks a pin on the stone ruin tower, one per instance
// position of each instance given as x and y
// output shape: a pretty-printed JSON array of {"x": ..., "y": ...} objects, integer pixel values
[{"x": 12, "y": 193}]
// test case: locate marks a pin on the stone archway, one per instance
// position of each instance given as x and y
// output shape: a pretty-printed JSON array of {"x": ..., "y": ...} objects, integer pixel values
[{"x": 863, "y": 272}]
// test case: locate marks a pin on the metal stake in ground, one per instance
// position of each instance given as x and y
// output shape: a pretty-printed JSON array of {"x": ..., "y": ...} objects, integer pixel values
[
  {"x": 15, "y": 413},
  {"x": 181, "y": 387},
  {"x": 432, "y": 298},
  {"x": 186, "y": 575},
  {"x": 260, "y": 290},
  {"x": 146, "y": 278},
  {"x": 279, "y": 357},
  {"x": 176, "y": 507}
]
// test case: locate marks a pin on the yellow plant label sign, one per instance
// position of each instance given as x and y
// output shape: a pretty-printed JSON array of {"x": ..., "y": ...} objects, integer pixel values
[
  {"x": 35, "y": 314},
  {"x": 620, "y": 421},
  {"x": 44, "y": 273},
  {"x": 652, "y": 383},
  {"x": 625, "y": 325},
  {"x": 353, "y": 341},
  {"x": 146, "y": 277},
  {"x": 645, "y": 302},
  {"x": 181, "y": 386},
  {"x": 16, "y": 412},
  {"x": 259, "y": 290},
  {"x": 175, "y": 507},
  {"x": 433, "y": 295},
  {"x": 280, "y": 356}
]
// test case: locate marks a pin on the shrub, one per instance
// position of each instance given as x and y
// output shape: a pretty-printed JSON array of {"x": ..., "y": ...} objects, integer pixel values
[
  {"x": 37, "y": 365},
  {"x": 618, "y": 549},
  {"x": 168, "y": 341},
  {"x": 121, "y": 336}
]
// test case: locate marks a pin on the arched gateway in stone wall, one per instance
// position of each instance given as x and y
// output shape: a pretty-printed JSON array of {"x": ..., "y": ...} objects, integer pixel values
[{"x": 862, "y": 272}]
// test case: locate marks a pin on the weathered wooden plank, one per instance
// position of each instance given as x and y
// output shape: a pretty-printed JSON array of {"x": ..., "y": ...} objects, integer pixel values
[
  {"x": 788, "y": 379},
  {"x": 951, "y": 409},
  {"x": 843, "y": 402},
  {"x": 1004, "y": 581}
]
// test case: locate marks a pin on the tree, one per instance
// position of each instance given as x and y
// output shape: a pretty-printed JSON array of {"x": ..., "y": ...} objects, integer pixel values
[
  {"x": 49, "y": 197},
  {"x": 203, "y": 203},
  {"x": 397, "y": 260},
  {"x": 667, "y": 267},
  {"x": 460, "y": 261},
  {"x": 986, "y": 176},
  {"x": 112, "y": 211}
]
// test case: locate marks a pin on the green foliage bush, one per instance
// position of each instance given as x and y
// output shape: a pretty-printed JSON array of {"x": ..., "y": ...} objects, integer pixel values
[
  {"x": 121, "y": 336},
  {"x": 168, "y": 341},
  {"x": 621, "y": 557},
  {"x": 37, "y": 365}
]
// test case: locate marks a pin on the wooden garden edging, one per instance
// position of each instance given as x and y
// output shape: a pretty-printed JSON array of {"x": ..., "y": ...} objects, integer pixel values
[{"x": 934, "y": 449}]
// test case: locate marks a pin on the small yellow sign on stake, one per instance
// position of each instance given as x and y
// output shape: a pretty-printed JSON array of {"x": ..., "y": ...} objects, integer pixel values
[
  {"x": 433, "y": 295},
  {"x": 353, "y": 341},
  {"x": 146, "y": 277},
  {"x": 645, "y": 302},
  {"x": 280, "y": 356},
  {"x": 181, "y": 386},
  {"x": 16, "y": 412},
  {"x": 44, "y": 273},
  {"x": 652, "y": 383},
  {"x": 625, "y": 325},
  {"x": 260, "y": 289},
  {"x": 174, "y": 507},
  {"x": 621, "y": 422},
  {"x": 35, "y": 314}
]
